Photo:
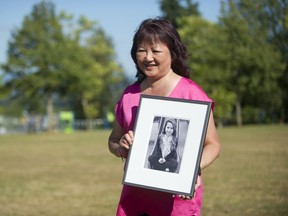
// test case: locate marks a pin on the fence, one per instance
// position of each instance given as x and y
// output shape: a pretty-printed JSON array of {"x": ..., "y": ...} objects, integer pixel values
[{"x": 38, "y": 124}]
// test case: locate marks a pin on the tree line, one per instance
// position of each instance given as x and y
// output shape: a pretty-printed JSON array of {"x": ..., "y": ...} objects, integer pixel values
[
  {"x": 56, "y": 62},
  {"x": 242, "y": 60}
]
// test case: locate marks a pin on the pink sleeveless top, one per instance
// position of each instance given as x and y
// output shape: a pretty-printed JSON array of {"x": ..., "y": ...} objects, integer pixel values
[{"x": 136, "y": 201}]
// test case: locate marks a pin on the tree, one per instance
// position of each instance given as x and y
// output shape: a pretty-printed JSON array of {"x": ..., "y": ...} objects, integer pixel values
[
  {"x": 112, "y": 77},
  {"x": 271, "y": 18},
  {"x": 94, "y": 70},
  {"x": 51, "y": 60},
  {"x": 233, "y": 62},
  {"x": 173, "y": 9},
  {"x": 35, "y": 56},
  {"x": 253, "y": 63},
  {"x": 204, "y": 41}
]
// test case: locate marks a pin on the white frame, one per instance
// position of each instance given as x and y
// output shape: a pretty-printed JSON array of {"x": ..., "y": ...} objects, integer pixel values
[{"x": 181, "y": 182}]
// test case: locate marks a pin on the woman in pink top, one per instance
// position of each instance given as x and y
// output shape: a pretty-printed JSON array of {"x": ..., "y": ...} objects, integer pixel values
[{"x": 160, "y": 58}]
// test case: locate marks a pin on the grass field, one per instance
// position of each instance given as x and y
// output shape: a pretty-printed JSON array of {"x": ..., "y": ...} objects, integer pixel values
[{"x": 75, "y": 175}]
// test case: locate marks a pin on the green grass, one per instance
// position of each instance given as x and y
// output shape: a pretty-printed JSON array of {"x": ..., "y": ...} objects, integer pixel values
[
  {"x": 58, "y": 174},
  {"x": 75, "y": 175},
  {"x": 251, "y": 175}
]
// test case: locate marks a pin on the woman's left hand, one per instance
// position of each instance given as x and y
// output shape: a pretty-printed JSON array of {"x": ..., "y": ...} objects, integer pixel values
[{"x": 197, "y": 185}]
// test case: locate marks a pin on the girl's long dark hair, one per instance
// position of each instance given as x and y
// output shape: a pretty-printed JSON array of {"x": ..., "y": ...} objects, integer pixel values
[{"x": 161, "y": 30}]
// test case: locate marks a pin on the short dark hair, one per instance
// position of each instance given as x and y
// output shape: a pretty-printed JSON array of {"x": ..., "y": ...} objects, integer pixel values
[{"x": 161, "y": 30}]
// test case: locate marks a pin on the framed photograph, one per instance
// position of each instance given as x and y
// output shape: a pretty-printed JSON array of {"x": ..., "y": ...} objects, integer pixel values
[{"x": 168, "y": 141}]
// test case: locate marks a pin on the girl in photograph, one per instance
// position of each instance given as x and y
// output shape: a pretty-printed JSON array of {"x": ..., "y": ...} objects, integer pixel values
[{"x": 164, "y": 156}]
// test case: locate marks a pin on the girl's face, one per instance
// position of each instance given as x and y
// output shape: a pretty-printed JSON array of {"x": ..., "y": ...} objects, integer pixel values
[
  {"x": 154, "y": 59},
  {"x": 169, "y": 128}
]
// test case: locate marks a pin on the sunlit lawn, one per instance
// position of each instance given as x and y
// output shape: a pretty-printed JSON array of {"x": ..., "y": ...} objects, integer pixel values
[
  {"x": 75, "y": 175},
  {"x": 251, "y": 175}
]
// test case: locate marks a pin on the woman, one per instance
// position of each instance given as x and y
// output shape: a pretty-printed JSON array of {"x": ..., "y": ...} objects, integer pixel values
[
  {"x": 164, "y": 156},
  {"x": 159, "y": 56}
]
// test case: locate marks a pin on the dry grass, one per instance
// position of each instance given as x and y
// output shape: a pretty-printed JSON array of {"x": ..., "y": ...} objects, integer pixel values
[
  {"x": 75, "y": 175},
  {"x": 58, "y": 174},
  {"x": 251, "y": 175}
]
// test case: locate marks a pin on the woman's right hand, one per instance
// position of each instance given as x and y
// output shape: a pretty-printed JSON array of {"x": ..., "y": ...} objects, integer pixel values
[
  {"x": 126, "y": 140},
  {"x": 124, "y": 144},
  {"x": 119, "y": 142}
]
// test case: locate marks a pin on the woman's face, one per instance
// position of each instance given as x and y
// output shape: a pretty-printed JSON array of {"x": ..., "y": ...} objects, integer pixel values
[
  {"x": 154, "y": 59},
  {"x": 169, "y": 128}
]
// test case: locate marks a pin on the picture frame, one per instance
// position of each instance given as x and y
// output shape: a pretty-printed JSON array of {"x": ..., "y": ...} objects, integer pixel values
[{"x": 169, "y": 135}]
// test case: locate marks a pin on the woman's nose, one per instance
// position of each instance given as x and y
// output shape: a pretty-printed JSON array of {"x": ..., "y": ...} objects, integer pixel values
[{"x": 149, "y": 56}]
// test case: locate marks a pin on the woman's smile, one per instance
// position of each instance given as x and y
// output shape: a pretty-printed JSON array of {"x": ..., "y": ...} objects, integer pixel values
[
  {"x": 150, "y": 67},
  {"x": 154, "y": 60}
]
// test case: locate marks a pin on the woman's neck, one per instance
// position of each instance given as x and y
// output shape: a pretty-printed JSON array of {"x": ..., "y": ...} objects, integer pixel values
[
  {"x": 160, "y": 87},
  {"x": 155, "y": 83},
  {"x": 167, "y": 135}
]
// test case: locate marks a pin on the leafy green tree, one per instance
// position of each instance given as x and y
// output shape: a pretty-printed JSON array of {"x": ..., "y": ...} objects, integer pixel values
[
  {"x": 35, "y": 55},
  {"x": 4, "y": 93},
  {"x": 50, "y": 59},
  {"x": 254, "y": 65},
  {"x": 204, "y": 41},
  {"x": 173, "y": 9},
  {"x": 234, "y": 63},
  {"x": 271, "y": 18},
  {"x": 109, "y": 73},
  {"x": 93, "y": 69}
]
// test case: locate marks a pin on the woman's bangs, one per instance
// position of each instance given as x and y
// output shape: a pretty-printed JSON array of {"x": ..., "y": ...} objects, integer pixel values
[{"x": 146, "y": 37}]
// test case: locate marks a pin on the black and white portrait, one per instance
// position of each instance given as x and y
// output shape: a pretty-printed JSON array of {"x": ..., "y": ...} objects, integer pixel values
[{"x": 166, "y": 144}]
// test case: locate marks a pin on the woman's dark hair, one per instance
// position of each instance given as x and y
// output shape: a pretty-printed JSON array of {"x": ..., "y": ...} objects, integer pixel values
[{"x": 161, "y": 30}]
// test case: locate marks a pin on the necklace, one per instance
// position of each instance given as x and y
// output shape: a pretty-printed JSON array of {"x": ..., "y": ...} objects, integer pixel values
[{"x": 167, "y": 138}]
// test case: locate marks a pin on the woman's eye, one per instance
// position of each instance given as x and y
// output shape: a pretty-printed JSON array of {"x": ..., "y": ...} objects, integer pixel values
[{"x": 140, "y": 50}]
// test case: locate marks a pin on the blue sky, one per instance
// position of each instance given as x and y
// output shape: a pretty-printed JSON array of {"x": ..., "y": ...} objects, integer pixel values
[{"x": 118, "y": 18}]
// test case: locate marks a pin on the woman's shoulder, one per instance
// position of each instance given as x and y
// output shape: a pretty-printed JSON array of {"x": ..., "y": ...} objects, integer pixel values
[
  {"x": 131, "y": 92},
  {"x": 132, "y": 88},
  {"x": 130, "y": 95},
  {"x": 189, "y": 83},
  {"x": 189, "y": 89}
]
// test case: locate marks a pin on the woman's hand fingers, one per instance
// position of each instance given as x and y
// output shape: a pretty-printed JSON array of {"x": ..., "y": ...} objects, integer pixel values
[
  {"x": 126, "y": 140},
  {"x": 197, "y": 184},
  {"x": 185, "y": 197}
]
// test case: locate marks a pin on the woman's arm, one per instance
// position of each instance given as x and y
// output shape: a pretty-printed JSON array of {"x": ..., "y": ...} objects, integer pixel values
[
  {"x": 119, "y": 142},
  {"x": 211, "y": 151},
  {"x": 212, "y": 144}
]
